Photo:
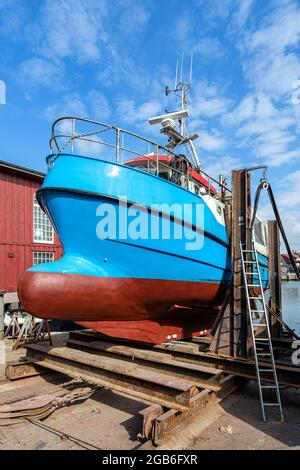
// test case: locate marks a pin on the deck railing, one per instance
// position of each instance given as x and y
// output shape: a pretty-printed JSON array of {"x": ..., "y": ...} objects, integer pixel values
[{"x": 121, "y": 145}]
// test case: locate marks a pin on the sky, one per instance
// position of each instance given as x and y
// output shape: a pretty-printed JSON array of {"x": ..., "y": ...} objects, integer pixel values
[{"x": 110, "y": 60}]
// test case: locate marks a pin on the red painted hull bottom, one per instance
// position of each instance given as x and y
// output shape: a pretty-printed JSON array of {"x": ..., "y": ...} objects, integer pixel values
[
  {"x": 137, "y": 309},
  {"x": 150, "y": 331}
]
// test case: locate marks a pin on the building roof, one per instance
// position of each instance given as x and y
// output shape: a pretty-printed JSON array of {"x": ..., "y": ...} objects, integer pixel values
[
  {"x": 286, "y": 257},
  {"x": 21, "y": 171}
]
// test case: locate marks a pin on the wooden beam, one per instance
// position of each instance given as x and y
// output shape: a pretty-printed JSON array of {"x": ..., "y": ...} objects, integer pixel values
[
  {"x": 232, "y": 338},
  {"x": 275, "y": 302}
]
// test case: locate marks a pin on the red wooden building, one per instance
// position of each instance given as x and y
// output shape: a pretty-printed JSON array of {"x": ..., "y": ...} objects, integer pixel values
[{"x": 26, "y": 235}]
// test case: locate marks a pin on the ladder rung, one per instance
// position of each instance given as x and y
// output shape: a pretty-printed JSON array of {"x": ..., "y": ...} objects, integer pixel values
[
  {"x": 251, "y": 273},
  {"x": 257, "y": 311},
  {"x": 263, "y": 354},
  {"x": 266, "y": 370},
  {"x": 271, "y": 404},
  {"x": 256, "y": 298},
  {"x": 268, "y": 386},
  {"x": 261, "y": 339},
  {"x": 248, "y": 251},
  {"x": 253, "y": 285},
  {"x": 249, "y": 261},
  {"x": 259, "y": 324}
]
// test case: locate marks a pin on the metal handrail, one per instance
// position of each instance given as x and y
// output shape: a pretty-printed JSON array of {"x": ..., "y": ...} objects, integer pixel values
[{"x": 71, "y": 138}]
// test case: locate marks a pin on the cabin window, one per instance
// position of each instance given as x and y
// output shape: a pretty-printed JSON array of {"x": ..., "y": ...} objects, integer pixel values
[
  {"x": 147, "y": 168},
  {"x": 42, "y": 229},
  {"x": 258, "y": 230},
  {"x": 42, "y": 257},
  {"x": 164, "y": 175},
  {"x": 196, "y": 189}
]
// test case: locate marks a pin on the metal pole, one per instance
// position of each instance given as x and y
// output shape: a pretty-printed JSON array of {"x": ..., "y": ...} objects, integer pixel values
[
  {"x": 117, "y": 144},
  {"x": 156, "y": 156},
  {"x": 1, "y": 315},
  {"x": 73, "y": 135}
]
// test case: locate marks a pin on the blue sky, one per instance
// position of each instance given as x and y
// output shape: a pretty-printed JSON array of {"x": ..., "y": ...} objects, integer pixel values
[{"x": 110, "y": 60}]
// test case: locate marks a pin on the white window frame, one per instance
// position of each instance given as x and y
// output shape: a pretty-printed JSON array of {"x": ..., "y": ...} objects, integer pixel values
[
  {"x": 50, "y": 254},
  {"x": 43, "y": 221}
]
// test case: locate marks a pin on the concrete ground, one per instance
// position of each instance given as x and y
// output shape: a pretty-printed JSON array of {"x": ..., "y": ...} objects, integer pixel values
[
  {"x": 107, "y": 420},
  {"x": 110, "y": 420},
  {"x": 239, "y": 424}
]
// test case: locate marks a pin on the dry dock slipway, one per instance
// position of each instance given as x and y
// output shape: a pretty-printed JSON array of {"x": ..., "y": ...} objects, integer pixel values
[{"x": 177, "y": 382}]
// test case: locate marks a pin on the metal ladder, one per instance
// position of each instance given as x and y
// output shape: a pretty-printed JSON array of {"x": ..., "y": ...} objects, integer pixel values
[{"x": 250, "y": 268}]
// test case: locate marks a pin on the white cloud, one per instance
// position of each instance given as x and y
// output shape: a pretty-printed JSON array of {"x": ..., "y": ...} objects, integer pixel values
[
  {"x": 213, "y": 10},
  {"x": 131, "y": 113},
  {"x": 134, "y": 17},
  {"x": 272, "y": 62},
  {"x": 208, "y": 47},
  {"x": 281, "y": 29},
  {"x": 99, "y": 105},
  {"x": 183, "y": 27},
  {"x": 216, "y": 166},
  {"x": 93, "y": 105},
  {"x": 69, "y": 105},
  {"x": 12, "y": 18},
  {"x": 211, "y": 141},
  {"x": 207, "y": 101},
  {"x": 269, "y": 132},
  {"x": 252, "y": 107},
  {"x": 69, "y": 28},
  {"x": 287, "y": 195},
  {"x": 242, "y": 13},
  {"x": 40, "y": 72}
]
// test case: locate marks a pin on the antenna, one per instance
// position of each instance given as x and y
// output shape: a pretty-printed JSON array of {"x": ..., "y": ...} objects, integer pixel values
[
  {"x": 181, "y": 69},
  {"x": 176, "y": 76},
  {"x": 191, "y": 68}
]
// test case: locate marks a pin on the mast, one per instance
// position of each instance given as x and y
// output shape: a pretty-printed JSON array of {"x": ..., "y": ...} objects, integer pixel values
[{"x": 181, "y": 135}]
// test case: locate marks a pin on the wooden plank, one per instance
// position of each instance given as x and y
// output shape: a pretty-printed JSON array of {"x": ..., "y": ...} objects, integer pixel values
[
  {"x": 200, "y": 376},
  {"x": 146, "y": 354}
]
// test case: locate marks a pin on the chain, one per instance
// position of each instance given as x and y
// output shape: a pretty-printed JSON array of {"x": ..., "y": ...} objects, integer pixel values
[{"x": 79, "y": 136}]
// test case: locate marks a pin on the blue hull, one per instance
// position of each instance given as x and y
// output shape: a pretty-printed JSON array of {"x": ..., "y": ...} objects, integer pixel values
[
  {"x": 122, "y": 277},
  {"x": 72, "y": 207}
]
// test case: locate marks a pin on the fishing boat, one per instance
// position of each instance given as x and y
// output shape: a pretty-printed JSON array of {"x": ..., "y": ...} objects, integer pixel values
[{"x": 143, "y": 229}]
